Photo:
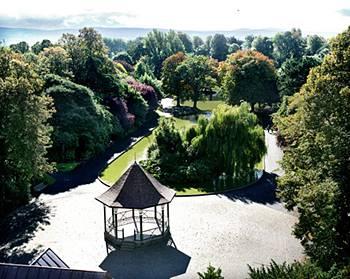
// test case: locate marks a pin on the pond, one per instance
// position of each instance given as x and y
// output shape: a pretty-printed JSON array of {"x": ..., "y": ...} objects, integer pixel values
[{"x": 138, "y": 151}]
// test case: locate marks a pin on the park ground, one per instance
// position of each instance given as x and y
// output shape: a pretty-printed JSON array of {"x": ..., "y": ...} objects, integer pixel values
[{"x": 247, "y": 226}]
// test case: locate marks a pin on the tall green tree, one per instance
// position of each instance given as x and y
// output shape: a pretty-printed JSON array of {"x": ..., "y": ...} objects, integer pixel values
[
  {"x": 172, "y": 82},
  {"x": 55, "y": 60},
  {"x": 40, "y": 46},
  {"x": 315, "y": 44},
  {"x": 187, "y": 42},
  {"x": 218, "y": 47},
  {"x": 196, "y": 74},
  {"x": 25, "y": 133},
  {"x": 249, "y": 76},
  {"x": 263, "y": 45},
  {"x": 289, "y": 44},
  {"x": 21, "y": 47},
  {"x": 316, "y": 159},
  {"x": 293, "y": 74}
]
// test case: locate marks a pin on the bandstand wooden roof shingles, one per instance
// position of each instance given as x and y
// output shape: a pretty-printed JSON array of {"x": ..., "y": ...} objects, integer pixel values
[{"x": 136, "y": 189}]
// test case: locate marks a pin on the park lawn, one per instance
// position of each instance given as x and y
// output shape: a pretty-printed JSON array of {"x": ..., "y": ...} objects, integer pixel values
[
  {"x": 190, "y": 191},
  {"x": 204, "y": 105},
  {"x": 114, "y": 171},
  {"x": 64, "y": 167}
]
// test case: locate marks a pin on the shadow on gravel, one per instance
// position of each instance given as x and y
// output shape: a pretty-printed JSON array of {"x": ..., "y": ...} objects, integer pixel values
[
  {"x": 151, "y": 262},
  {"x": 263, "y": 191},
  {"x": 18, "y": 228},
  {"x": 88, "y": 171}
]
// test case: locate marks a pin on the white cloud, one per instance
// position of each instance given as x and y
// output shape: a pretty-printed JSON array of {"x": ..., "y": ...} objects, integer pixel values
[{"x": 309, "y": 15}]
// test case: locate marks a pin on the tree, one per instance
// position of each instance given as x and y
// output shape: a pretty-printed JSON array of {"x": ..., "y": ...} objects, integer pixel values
[
  {"x": 81, "y": 126},
  {"x": 293, "y": 74},
  {"x": 142, "y": 68},
  {"x": 241, "y": 147},
  {"x": 187, "y": 42},
  {"x": 25, "y": 133},
  {"x": 219, "y": 48},
  {"x": 248, "y": 40},
  {"x": 159, "y": 46},
  {"x": 263, "y": 45},
  {"x": 55, "y": 60},
  {"x": 136, "y": 48},
  {"x": 21, "y": 47},
  {"x": 90, "y": 64},
  {"x": 114, "y": 46},
  {"x": 316, "y": 159},
  {"x": 171, "y": 81},
  {"x": 250, "y": 76},
  {"x": 211, "y": 273},
  {"x": 315, "y": 44},
  {"x": 123, "y": 56},
  {"x": 196, "y": 74},
  {"x": 197, "y": 42},
  {"x": 40, "y": 46},
  {"x": 233, "y": 48},
  {"x": 287, "y": 45}
]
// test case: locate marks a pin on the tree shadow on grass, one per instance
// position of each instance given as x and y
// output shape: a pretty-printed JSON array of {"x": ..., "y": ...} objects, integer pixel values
[
  {"x": 159, "y": 261},
  {"x": 19, "y": 228},
  {"x": 88, "y": 171}
]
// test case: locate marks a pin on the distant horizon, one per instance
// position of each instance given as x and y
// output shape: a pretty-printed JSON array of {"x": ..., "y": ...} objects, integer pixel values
[{"x": 10, "y": 35}]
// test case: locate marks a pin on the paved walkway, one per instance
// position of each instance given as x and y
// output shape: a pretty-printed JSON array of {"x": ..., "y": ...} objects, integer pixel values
[{"x": 242, "y": 227}]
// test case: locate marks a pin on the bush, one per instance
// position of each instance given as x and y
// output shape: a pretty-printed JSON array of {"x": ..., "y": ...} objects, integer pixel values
[
  {"x": 297, "y": 271},
  {"x": 81, "y": 126},
  {"x": 211, "y": 273},
  {"x": 147, "y": 92}
]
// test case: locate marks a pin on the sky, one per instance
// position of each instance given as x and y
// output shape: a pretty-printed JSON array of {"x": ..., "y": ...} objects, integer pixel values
[{"x": 309, "y": 15}]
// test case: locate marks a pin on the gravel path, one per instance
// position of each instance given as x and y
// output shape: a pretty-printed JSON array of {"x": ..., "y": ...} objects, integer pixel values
[{"x": 242, "y": 227}]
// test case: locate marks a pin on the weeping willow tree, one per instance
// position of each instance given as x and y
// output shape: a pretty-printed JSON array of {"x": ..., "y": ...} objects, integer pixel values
[{"x": 231, "y": 141}]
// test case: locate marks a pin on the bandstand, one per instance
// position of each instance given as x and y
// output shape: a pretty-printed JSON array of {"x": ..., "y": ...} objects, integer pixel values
[{"x": 139, "y": 210}]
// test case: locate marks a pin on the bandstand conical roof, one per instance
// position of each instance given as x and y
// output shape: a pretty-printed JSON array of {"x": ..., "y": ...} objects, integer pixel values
[{"x": 136, "y": 189}]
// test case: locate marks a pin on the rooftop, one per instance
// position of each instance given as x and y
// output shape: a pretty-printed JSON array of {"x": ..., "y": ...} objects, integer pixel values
[{"x": 136, "y": 189}]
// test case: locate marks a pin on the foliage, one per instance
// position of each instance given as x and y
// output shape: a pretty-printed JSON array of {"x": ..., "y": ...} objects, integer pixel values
[
  {"x": 55, "y": 60},
  {"x": 187, "y": 42},
  {"x": 263, "y": 45},
  {"x": 219, "y": 48},
  {"x": 230, "y": 142},
  {"x": 81, "y": 126},
  {"x": 316, "y": 159},
  {"x": 248, "y": 40},
  {"x": 143, "y": 68},
  {"x": 40, "y": 46},
  {"x": 296, "y": 270},
  {"x": 293, "y": 73},
  {"x": 114, "y": 45},
  {"x": 250, "y": 76},
  {"x": 21, "y": 47},
  {"x": 287, "y": 45},
  {"x": 147, "y": 92},
  {"x": 315, "y": 44},
  {"x": 196, "y": 74},
  {"x": 25, "y": 133},
  {"x": 211, "y": 273},
  {"x": 136, "y": 48},
  {"x": 123, "y": 56},
  {"x": 156, "y": 84},
  {"x": 232, "y": 48},
  {"x": 159, "y": 45},
  {"x": 90, "y": 64},
  {"x": 171, "y": 81}
]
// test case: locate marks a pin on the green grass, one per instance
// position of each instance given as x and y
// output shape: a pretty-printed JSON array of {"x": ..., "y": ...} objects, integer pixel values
[
  {"x": 63, "y": 167},
  {"x": 191, "y": 191},
  {"x": 139, "y": 150},
  {"x": 204, "y": 105}
]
